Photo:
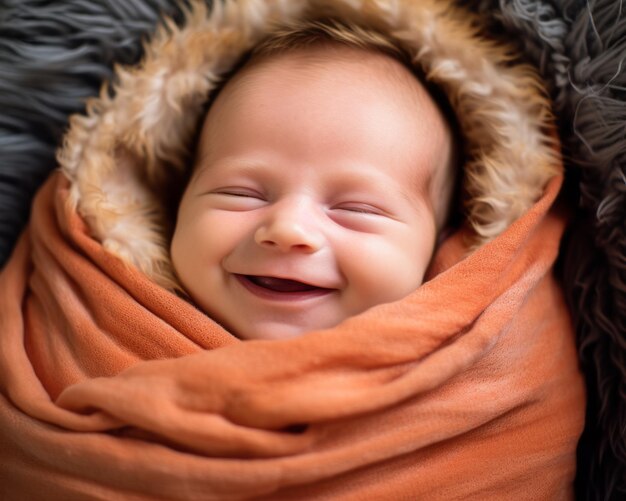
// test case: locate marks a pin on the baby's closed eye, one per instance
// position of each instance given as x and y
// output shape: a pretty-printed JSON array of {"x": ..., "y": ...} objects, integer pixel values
[
  {"x": 236, "y": 198},
  {"x": 239, "y": 192},
  {"x": 359, "y": 208}
]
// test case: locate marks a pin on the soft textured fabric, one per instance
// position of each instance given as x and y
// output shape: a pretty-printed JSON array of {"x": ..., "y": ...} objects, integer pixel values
[
  {"x": 579, "y": 48},
  {"x": 114, "y": 388},
  {"x": 54, "y": 54},
  {"x": 117, "y": 388}
]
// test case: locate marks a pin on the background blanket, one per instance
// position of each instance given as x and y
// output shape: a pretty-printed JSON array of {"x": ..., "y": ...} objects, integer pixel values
[{"x": 54, "y": 54}]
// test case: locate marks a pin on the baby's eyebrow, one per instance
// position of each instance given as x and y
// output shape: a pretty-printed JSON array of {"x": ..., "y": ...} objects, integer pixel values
[
  {"x": 241, "y": 167},
  {"x": 358, "y": 179}
]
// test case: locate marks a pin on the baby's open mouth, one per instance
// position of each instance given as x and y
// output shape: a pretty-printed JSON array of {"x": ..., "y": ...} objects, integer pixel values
[
  {"x": 281, "y": 288},
  {"x": 280, "y": 284}
]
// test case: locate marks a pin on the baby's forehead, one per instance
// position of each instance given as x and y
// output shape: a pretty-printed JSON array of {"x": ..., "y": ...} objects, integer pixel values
[
  {"x": 337, "y": 70},
  {"x": 341, "y": 65}
]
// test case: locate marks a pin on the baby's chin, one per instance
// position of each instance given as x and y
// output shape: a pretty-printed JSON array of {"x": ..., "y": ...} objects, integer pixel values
[{"x": 276, "y": 330}]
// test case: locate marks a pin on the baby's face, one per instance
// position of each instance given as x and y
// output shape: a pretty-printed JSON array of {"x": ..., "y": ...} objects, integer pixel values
[{"x": 310, "y": 198}]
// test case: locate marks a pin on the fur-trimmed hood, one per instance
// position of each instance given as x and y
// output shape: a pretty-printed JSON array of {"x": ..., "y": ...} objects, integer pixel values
[{"x": 135, "y": 139}]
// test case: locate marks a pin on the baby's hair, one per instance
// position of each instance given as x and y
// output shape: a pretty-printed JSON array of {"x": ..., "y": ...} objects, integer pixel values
[{"x": 311, "y": 33}]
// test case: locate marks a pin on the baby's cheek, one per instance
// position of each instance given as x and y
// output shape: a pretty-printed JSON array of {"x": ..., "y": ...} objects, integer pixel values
[
  {"x": 179, "y": 250},
  {"x": 384, "y": 272},
  {"x": 195, "y": 246},
  {"x": 403, "y": 273},
  {"x": 214, "y": 229}
]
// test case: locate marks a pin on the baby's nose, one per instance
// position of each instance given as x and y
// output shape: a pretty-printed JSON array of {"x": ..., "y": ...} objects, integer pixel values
[{"x": 291, "y": 227}]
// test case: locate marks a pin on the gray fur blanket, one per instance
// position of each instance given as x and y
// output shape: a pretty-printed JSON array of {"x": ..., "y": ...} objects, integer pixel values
[{"x": 55, "y": 54}]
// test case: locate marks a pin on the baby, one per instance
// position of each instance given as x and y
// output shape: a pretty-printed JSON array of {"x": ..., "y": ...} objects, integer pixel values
[{"x": 324, "y": 172}]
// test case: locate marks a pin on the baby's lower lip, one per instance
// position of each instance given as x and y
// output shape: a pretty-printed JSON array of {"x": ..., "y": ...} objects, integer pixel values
[{"x": 269, "y": 294}]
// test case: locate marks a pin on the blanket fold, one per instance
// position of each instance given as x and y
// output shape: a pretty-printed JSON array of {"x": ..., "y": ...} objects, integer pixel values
[{"x": 114, "y": 388}]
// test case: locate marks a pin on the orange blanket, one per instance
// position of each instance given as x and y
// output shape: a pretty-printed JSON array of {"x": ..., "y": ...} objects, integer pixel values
[{"x": 113, "y": 388}]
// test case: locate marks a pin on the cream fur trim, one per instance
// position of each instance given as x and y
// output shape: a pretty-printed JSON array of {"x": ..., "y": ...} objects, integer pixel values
[{"x": 127, "y": 145}]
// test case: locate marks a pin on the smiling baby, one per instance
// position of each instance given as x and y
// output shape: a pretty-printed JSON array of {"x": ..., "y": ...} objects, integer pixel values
[{"x": 324, "y": 173}]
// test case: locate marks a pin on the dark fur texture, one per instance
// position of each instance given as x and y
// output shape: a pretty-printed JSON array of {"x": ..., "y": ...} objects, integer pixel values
[
  {"x": 54, "y": 54},
  {"x": 580, "y": 48}
]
